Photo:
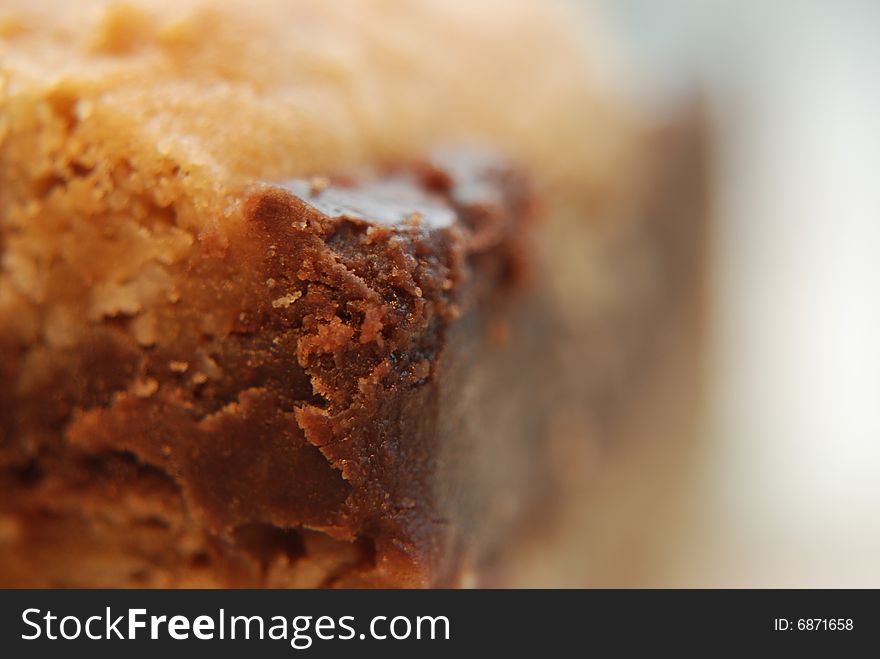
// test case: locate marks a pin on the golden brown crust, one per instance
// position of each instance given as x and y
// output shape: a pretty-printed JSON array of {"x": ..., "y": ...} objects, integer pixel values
[{"x": 319, "y": 86}]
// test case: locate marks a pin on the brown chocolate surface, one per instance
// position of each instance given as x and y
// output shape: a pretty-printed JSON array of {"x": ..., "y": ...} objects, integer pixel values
[{"x": 332, "y": 367}]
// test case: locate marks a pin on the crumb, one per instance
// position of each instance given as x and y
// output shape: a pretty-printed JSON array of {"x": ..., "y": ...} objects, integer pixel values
[
  {"x": 285, "y": 301},
  {"x": 144, "y": 388}
]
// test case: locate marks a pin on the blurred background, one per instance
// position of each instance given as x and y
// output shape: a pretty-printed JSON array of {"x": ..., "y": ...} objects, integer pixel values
[{"x": 786, "y": 489}]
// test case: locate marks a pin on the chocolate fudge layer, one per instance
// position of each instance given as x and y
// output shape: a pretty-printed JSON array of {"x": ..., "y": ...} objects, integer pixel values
[{"x": 359, "y": 354}]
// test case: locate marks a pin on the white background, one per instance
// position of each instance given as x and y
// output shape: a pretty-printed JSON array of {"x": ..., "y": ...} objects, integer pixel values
[{"x": 789, "y": 492}]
